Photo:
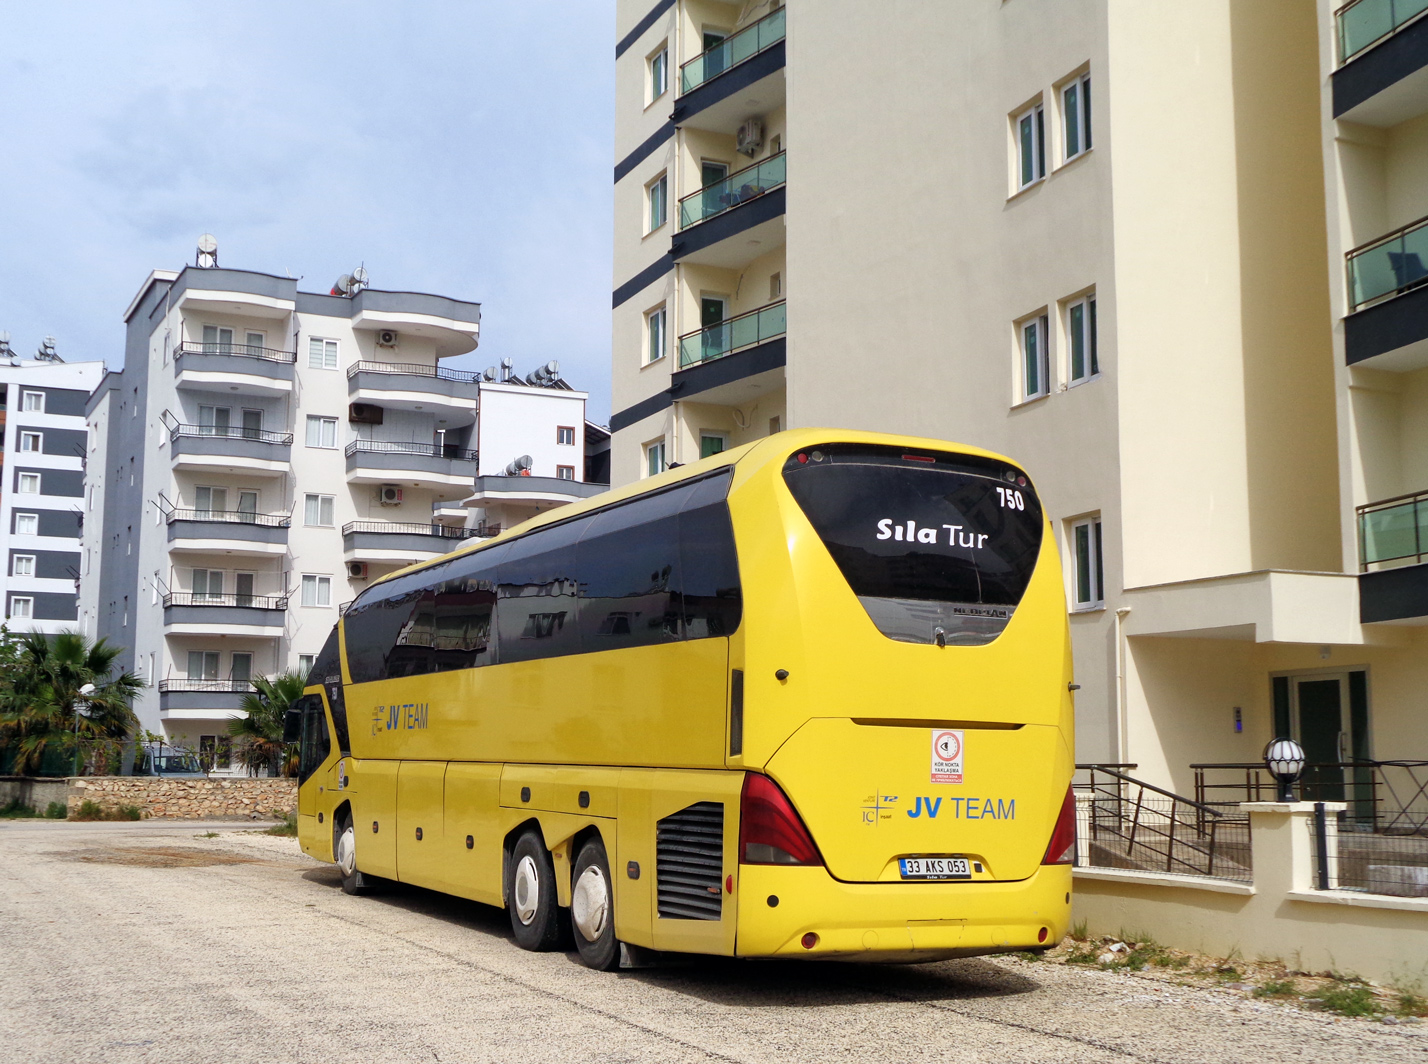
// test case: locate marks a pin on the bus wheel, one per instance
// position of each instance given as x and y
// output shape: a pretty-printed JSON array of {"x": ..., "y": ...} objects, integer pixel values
[
  {"x": 530, "y": 895},
  {"x": 353, "y": 882},
  {"x": 592, "y": 909}
]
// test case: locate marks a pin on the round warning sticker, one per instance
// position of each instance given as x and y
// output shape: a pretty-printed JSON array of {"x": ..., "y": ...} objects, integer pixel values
[{"x": 946, "y": 756}]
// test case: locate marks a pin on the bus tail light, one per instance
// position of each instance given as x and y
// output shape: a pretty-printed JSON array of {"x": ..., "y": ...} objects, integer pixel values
[
  {"x": 770, "y": 829},
  {"x": 1063, "y": 838}
]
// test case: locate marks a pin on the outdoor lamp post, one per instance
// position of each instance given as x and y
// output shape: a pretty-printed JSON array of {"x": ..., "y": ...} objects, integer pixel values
[
  {"x": 1285, "y": 760},
  {"x": 84, "y": 693}
]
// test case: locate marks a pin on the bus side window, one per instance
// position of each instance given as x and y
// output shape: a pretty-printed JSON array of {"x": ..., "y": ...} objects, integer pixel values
[
  {"x": 536, "y": 609},
  {"x": 316, "y": 743},
  {"x": 630, "y": 575},
  {"x": 465, "y": 610},
  {"x": 709, "y": 566}
]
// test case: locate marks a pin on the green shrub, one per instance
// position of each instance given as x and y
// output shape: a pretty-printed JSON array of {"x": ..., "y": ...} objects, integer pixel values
[
  {"x": 128, "y": 812},
  {"x": 56, "y": 811},
  {"x": 1275, "y": 988},
  {"x": 89, "y": 809},
  {"x": 1347, "y": 1000},
  {"x": 1410, "y": 1004},
  {"x": 15, "y": 810},
  {"x": 287, "y": 828}
]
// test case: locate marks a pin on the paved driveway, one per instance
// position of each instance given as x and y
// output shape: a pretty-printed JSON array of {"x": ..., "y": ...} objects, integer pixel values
[{"x": 145, "y": 942}]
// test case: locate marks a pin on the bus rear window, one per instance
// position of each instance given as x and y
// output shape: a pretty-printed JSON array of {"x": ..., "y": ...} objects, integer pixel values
[{"x": 938, "y": 547}]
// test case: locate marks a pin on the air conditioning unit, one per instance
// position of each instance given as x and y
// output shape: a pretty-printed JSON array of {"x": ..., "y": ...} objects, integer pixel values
[
  {"x": 387, "y": 338},
  {"x": 390, "y": 495},
  {"x": 364, "y": 413},
  {"x": 357, "y": 570},
  {"x": 751, "y": 137}
]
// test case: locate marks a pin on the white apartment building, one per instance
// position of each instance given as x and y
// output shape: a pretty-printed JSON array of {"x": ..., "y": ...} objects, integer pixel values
[
  {"x": 1092, "y": 236},
  {"x": 41, "y": 499},
  {"x": 265, "y": 453}
]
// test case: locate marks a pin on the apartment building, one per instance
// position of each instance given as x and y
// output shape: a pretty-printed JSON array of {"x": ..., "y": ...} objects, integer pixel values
[
  {"x": 266, "y": 453},
  {"x": 42, "y": 492},
  {"x": 1091, "y": 236}
]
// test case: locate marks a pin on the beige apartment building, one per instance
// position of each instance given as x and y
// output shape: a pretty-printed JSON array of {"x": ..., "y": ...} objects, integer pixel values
[{"x": 1110, "y": 239}]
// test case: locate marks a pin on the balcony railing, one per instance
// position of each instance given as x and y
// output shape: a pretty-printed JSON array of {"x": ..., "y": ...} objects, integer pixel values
[
  {"x": 230, "y": 432},
  {"x": 252, "y": 602},
  {"x": 413, "y": 369},
  {"x": 1363, "y": 23},
  {"x": 716, "y": 341},
  {"x": 733, "y": 50},
  {"x": 409, "y": 528},
  {"x": 1393, "y": 531},
  {"x": 269, "y": 354},
  {"x": 236, "y": 517},
  {"x": 739, "y": 187},
  {"x": 428, "y": 450},
  {"x": 1390, "y": 265},
  {"x": 221, "y": 686}
]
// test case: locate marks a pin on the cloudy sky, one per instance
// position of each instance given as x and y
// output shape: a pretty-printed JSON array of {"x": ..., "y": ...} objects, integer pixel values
[{"x": 461, "y": 147}]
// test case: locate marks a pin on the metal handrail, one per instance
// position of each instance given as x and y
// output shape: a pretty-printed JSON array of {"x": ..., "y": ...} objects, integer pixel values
[
  {"x": 232, "y": 517},
  {"x": 413, "y": 369},
  {"x": 1200, "y": 806},
  {"x": 776, "y": 168},
  {"x": 1395, "y": 26},
  {"x": 1374, "y": 798},
  {"x": 223, "y": 686},
  {"x": 733, "y": 334},
  {"x": 430, "y": 450},
  {"x": 252, "y": 602},
  {"x": 765, "y": 33},
  {"x": 409, "y": 528},
  {"x": 229, "y": 432},
  {"x": 1415, "y": 507},
  {"x": 268, "y": 354}
]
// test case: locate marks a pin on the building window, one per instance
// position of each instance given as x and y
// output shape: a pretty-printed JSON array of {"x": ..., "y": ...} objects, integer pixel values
[
  {"x": 321, "y": 431},
  {"x": 565, "y": 472},
  {"x": 654, "y": 458},
  {"x": 27, "y": 524},
  {"x": 203, "y": 664},
  {"x": 1081, "y": 335},
  {"x": 1035, "y": 365},
  {"x": 305, "y": 664},
  {"x": 316, "y": 590},
  {"x": 321, "y": 354},
  {"x": 1031, "y": 146},
  {"x": 241, "y": 669},
  {"x": 317, "y": 510},
  {"x": 1087, "y": 564},
  {"x": 565, "y": 435},
  {"x": 659, "y": 74},
  {"x": 658, "y": 193},
  {"x": 23, "y": 565},
  {"x": 711, "y": 443},
  {"x": 1076, "y": 116},
  {"x": 654, "y": 335},
  {"x": 31, "y": 441},
  {"x": 776, "y": 285},
  {"x": 29, "y": 483},
  {"x": 33, "y": 402},
  {"x": 22, "y": 608}
]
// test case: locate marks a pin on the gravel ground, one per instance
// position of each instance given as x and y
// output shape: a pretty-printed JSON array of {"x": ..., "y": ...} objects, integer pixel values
[{"x": 147, "y": 942}]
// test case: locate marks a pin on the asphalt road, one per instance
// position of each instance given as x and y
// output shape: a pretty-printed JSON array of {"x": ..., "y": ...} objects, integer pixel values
[{"x": 146, "y": 942}]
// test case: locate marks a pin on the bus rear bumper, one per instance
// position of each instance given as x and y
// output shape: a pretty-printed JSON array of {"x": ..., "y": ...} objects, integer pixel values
[{"x": 781, "y": 908}]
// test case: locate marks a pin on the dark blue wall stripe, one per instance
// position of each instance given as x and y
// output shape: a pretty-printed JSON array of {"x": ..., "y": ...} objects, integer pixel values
[
  {"x": 641, "y": 410},
  {"x": 731, "y": 223},
  {"x": 640, "y": 27},
  {"x": 771, "y": 354},
  {"x": 644, "y": 151},
  {"x": 646, "y": 277},
  {"x": 1392, "y": 324}
]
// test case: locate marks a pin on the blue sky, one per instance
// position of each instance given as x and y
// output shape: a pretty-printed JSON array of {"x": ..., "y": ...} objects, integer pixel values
[{"x": 462, "y": 148}]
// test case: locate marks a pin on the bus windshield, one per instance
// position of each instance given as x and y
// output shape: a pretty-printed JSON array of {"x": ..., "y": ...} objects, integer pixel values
[{"x": 938, "y": 547}]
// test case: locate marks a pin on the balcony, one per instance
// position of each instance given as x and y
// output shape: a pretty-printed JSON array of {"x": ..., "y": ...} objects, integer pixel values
[
  {"x": 400, "y": 541},
  {"x": 256, "y": 615},
  {"x": 738, "y": 188},
  {"x": 202, "y": 698},
  {"x": 382, "y": 461},
  {"x": 735, "y": 334},
  {"x": 714, "y": 86},
  {"x": 228, "y": 531},
  {"x": 230, "y": 447},
  {"x": 413, "y": 386},
  {"x": 749, "y": 203},
  {"x": 1393, "y": 547},
  {"x": 1388, "y": 292},
  {"x": 242, "y": 367},
  {"x": 1382, "y": 78}
]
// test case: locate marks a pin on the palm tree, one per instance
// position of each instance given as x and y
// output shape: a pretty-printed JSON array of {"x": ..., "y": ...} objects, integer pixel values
[
  {"x": 47, "y": 679},
  {"x": 260, "y": 732}
]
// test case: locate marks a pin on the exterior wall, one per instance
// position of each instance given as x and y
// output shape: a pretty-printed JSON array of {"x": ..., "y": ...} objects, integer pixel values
[
  {"x": 517, "y": 420},
  {"x": 186, "y": 798}
]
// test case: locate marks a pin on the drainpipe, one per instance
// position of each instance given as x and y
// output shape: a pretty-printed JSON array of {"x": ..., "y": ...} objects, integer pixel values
[{"x": 1122, "y": 726}]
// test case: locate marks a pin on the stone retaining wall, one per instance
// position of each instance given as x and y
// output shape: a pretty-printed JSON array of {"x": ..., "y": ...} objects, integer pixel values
[{"x": 188, "y": 798}]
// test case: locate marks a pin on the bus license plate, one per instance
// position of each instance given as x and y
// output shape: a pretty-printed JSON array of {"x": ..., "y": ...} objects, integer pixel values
[{"x": 935, "y": 868}]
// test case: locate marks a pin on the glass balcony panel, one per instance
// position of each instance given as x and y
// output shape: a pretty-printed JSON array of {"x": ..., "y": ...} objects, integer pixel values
[
  {"x": 733, "y": 50},
  {"x": 1368, "y": 21},
  {"x": 1390, "y": 267},
  {"x": 737, "y": 188},
  {"x": 1394, "y": 533},
  {"x": 735, "y": 334}
]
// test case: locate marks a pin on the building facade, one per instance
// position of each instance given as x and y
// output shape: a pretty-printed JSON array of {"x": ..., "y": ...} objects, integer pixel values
[
  {"x": 1088, "y": 235},
  {"x": 42, "y": 494},
  {"x": 266, "y": 453}
]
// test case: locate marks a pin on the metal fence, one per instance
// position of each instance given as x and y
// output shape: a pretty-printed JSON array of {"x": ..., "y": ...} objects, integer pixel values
[
  {"x": 414, "y": 369},
  {"x": 1384, "y": 797},
  {"x": 430, "y": 450},
  {"x": 1123, "y": 822},
  {"x": 410, "y": 528},
  {"x": 229, "y": 432},
  {"x": 268, "y": 354},
  {"x": 1348, "y": 857},
  {"x": 234, "y": 517},
  {"x": 252, "y": 602}
]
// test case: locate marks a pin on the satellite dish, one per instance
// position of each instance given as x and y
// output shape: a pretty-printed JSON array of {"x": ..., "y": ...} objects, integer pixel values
[
  {"x": 359, "y": 277},
  {"x": 207, "y": 244}
]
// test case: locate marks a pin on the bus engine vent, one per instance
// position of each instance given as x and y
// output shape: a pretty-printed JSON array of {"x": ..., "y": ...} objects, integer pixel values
[{"x": 689, "y": 862}]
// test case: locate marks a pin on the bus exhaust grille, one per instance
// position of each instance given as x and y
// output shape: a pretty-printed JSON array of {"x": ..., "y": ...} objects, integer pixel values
[{"x": 689, "y": 862}]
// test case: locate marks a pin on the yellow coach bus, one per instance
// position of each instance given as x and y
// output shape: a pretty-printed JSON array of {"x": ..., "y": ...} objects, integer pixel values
[{"x": 809, "y": 697}]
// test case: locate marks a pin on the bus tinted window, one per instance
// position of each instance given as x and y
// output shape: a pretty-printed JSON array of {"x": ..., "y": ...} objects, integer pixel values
[
  {"x": 709, "y": 569},
  {"x": 327, "y": 672},
  {"x": 536, "y": 605},
  {"x": 930, "y": 543},
  {"x": 379, "y": 623},
  {"x": 630, "y": 576}
]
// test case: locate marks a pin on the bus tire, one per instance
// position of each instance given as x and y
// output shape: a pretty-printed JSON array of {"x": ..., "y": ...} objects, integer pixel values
[
  {"x": 344, "y": 849},
  {"x": 592, "y": 908},
  {"x": 530, "y": 895}
]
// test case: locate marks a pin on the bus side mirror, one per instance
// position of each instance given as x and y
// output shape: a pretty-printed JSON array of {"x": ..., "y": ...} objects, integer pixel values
[{"x": 292, "y": 725}]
